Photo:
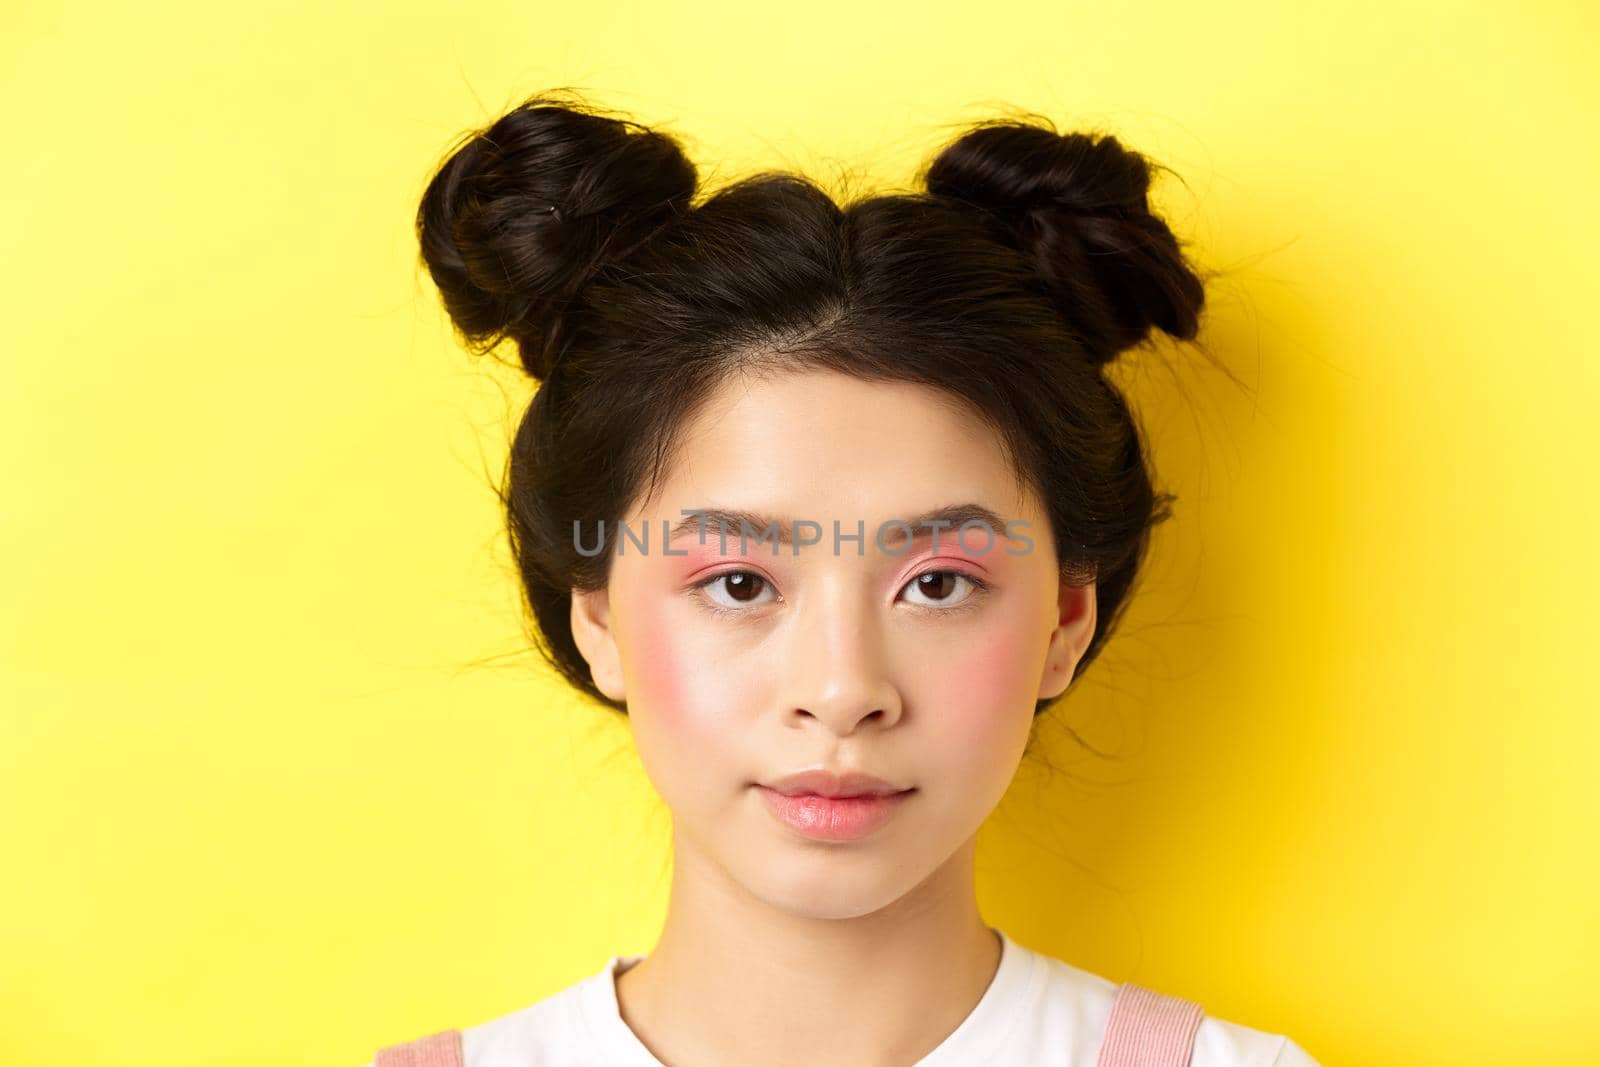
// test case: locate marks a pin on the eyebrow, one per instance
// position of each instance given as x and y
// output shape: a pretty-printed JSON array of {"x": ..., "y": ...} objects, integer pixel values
[{"x": 952, "y": 516}]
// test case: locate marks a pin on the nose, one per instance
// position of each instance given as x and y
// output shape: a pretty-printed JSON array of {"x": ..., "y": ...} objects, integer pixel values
[{"x": 836, "y": 662}]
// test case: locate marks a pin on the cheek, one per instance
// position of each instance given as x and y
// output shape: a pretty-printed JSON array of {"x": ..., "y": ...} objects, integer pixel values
[
  {"x": 682, "y": 696},
  {"x": 656, "y": 665},
  {"x": 985, "y": 689},
  {"x": 659, "y": 655}
]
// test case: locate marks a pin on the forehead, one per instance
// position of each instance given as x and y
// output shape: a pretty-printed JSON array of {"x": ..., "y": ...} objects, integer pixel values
[{"x": 822, "y": 445}]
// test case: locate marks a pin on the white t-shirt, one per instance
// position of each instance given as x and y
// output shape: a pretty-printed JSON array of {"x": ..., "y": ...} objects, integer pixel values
[{"x": 1038, "y": 1011}]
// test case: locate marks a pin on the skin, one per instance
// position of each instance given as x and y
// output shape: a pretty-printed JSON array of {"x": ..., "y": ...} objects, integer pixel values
[{"x": 778, "y": 949}]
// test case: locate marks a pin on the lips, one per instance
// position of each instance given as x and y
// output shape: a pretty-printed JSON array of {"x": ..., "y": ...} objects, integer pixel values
[
  {"x": 825, "y": 783},
  {"x": 833, "y": 818},
  {"x": 828, "y": 806}
]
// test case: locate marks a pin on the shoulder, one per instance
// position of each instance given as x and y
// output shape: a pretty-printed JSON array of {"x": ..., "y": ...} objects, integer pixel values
[
  {"x": 551, "y": 1031},
  {"x": 1221, "y": 1043},
  {"x": 1074, "y": 1007}
]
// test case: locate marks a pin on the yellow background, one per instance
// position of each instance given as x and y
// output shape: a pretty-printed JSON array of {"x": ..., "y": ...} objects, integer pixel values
[{"x": 280, "y": 781}]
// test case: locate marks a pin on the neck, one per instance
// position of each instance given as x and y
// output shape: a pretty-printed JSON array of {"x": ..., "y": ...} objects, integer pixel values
[{"x": 735, "y": 979}]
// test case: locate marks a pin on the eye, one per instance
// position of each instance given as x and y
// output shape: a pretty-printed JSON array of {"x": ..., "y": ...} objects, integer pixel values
[
  {"x": 945, "y": 588},
  {"x": 739, "y": 590}
]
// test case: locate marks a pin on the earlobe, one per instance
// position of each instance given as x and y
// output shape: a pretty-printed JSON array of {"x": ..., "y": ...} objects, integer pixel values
[
  {"x": 1074, "y": 630},
  {"x": 591, "y": 631}
]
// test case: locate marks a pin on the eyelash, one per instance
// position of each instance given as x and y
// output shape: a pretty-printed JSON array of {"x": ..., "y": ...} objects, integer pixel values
[{"x": 980, "y": 587}]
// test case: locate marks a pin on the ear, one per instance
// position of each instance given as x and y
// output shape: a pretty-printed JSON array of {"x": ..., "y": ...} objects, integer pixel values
[
  {"x": 1075, "y": 623},
  {"x": 591, "y": 630}
]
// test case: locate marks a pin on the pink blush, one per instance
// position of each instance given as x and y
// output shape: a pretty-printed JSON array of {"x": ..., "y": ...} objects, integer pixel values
[
  {"x": 991, "y": 672},
  {"x": 655, "y": 663}
]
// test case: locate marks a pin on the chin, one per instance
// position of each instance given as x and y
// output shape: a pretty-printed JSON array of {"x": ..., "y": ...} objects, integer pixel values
[
  {"x": 820, "y": 885},
  {"x": 833, "y": 905}
]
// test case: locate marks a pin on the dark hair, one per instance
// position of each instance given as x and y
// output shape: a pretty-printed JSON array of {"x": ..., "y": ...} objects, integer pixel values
[{"x": 1031, "y": 260}]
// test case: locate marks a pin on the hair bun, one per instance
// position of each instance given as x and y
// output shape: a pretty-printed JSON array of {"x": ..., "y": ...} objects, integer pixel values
[
  {"x": 1078, "y": 206},
  {"x": 527, "y": 210}
]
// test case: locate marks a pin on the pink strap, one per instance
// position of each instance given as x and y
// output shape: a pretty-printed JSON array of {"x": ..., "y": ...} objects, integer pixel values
[
  {"x": 1149, "y": 1029},
  {"x": 436, "y": 1050}
]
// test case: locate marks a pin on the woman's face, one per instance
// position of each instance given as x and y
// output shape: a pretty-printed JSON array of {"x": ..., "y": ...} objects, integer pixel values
[{"x": 882, "y": 654}]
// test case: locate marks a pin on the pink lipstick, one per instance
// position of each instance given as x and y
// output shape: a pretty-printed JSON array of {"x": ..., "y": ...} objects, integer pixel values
[{"x": 825, "y": 806}]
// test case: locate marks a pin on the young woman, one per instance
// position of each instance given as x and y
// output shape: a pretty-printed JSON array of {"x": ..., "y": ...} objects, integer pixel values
[{"x": 831, "y": 502}]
